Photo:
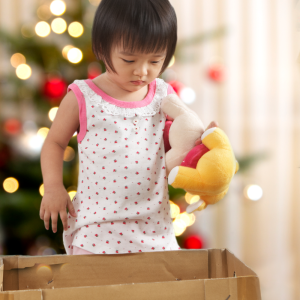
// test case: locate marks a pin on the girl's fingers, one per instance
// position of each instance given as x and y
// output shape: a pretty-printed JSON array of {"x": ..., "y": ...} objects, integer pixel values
[
  {"x": 64, "y": 219},
  {"x": 46, "y": 219},
  {"x": 54, "y": 221},
  {"x": 42, "y": 212}
]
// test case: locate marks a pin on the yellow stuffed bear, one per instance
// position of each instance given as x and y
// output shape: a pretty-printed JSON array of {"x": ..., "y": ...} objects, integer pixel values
[{"x": 212, "y": 173}]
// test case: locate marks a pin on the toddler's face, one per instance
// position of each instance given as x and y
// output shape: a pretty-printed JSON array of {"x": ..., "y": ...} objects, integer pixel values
[{"x": 135, "y": 70}]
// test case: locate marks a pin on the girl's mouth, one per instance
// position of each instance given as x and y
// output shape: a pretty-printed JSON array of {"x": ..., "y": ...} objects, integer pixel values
[{"x": 138, "y": 82}]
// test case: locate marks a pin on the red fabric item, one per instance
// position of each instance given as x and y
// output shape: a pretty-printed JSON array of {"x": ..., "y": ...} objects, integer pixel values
[
  {"x": 194, "y": 155},
  {"x": 166, "y": 135}
]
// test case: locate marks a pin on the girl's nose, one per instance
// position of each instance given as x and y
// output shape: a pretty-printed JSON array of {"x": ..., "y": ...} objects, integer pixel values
[{"x": 141, "y": 70}]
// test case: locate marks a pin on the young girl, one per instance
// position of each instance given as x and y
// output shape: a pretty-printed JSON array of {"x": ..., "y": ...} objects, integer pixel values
[{"x": 122, "y": 203}]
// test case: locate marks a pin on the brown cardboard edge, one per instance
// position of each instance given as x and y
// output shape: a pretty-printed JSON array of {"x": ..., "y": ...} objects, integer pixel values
[
  {"x": 169, "y": 290},
  {"x": 1, "y": 274},
  {"x": 22, "y": 295},
  {"x": 24, "y": 261}
]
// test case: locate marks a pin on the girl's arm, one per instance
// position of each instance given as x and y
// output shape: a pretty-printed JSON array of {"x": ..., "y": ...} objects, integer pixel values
[{"x": 56, "y": 198}]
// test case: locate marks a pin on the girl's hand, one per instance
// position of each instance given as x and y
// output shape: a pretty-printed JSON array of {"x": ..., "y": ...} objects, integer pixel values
[
  {"x": 211, "y": 125},
  {"x": 55, "y": 201}
]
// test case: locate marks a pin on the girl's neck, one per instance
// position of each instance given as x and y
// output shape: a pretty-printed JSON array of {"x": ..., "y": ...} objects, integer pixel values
[{"x": 115, "y": 91}]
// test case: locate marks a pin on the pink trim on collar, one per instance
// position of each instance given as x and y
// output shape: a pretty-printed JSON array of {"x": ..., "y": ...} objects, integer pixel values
[{"x": 127, "y": 104}]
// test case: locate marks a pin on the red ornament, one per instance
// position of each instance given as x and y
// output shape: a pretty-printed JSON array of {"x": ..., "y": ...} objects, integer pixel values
[
  {"x": 55, "y": 88},
  {"x": 216, "y": 73},
  {"x": 193, "y": 242},
  {"x": 177, "y": 86},
  {"x": 12, "y": 126}
]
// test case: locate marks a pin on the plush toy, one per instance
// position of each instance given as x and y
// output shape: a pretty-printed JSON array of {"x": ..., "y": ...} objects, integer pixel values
[
  {"x": 205, "y": 170},
  {"x": 184, "y": 131}
]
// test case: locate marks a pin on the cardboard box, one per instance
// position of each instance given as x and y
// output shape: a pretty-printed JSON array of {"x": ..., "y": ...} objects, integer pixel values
[{"x": 213, "y": 274}]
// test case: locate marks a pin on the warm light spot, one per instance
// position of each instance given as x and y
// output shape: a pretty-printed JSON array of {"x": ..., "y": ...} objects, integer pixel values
[
  {"x": 42, "y": 29},
  {"x": 184, "y": 217},
  {"x": 66, "y": 50},
  {"x": 35, "y": 142},
  {"x": 188, "y": 219},
  {"x": 52, "y": 113},
  {"x": 253, "y": 192},
  {"x": 187, "y": 95},
  {"x": 175, "y": 210},
  {"x": 44, "y": 271},
  {"x": 75, "y": 55},
  {"x": 10, "y": 185},
  {"x": 23, "y": 71},
  {"x": 172, "y": 61},
  {"x": 58, "y": 7},
  {"x": 189, "y": 198},
  {"x": 59, "y": 25},
  {"x": 95, "y": 2},
  {"x": 75, "y": 29},
  {"x": 179, "y": 226},
  {"x": 192, "y": 218},
  {"x": 43, "y": 132},
  {"x": 69, "y": 154},
  {"x": 17, "y": 59},
  {"x": 72, "y": 194},
  {"x": 43, "y": 12},
  {"x": 42, "y": 190}
]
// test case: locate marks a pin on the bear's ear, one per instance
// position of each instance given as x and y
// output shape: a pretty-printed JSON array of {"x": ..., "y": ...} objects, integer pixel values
[{"x": 237, "y": 166}]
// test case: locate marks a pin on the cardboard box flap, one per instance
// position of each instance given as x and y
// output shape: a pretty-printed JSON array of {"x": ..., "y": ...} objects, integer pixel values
[
  {"x": 48, "y": 272},
  {"x": 217, "y": 263},
  {"x": 248, "y": 288},
  {"x": 235, "y": 267},
  {"x": 10, "y": 262},
  {"x": 222, "y": 264},
  {"x": 22, "y": 295},
  {"x": 221, "y": 289}
]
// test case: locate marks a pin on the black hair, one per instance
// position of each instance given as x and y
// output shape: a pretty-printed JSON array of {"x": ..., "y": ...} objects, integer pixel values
[{"x": 144, "y": 26}]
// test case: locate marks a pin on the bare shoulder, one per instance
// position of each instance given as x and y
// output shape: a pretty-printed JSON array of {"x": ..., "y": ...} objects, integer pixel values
[{"x": 66, "y": 121}]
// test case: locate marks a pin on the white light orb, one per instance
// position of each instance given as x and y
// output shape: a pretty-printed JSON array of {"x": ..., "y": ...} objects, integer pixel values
[
  {"x": 75, "y": 55},
  {"x": 57, "y": 7},
  {"x": 75, "y": 29},
  {"x": 23, "y": 71},
  {"x": 59, "y": 25},
  {"x": 42, "y": 29},
  {"x": 188, "y": 95},
  {"x": 253, "y": 192}
]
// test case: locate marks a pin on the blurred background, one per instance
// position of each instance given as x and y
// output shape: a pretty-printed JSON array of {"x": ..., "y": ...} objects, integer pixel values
[{"x": 237, "y": 62}]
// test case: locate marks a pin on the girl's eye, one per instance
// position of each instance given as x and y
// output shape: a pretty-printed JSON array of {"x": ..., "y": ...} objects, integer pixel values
[
  {"x": 128, "y": 61},
  {"x": 155, "y": 62}
]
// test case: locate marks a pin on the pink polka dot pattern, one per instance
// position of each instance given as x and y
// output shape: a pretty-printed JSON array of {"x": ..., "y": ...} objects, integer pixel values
[{"x": 122, "y": 200}]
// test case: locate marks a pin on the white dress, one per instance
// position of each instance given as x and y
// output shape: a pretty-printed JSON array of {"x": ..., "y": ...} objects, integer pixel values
[{"x": 122, "y": 200}]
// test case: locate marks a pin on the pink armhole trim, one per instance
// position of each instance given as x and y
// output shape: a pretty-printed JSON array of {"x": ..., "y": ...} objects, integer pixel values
[
  {"x": 170, "y": 90},
  {"x": 82, "y": 111},
  {"x": 127, "y": 104}
]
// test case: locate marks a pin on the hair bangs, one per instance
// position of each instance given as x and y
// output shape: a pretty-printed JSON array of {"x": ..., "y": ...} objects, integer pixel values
[{"x": 145, "y": 26}]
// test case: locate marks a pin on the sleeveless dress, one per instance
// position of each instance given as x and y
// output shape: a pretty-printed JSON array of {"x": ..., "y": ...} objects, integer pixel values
[{"x": 122, "y": 200}]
